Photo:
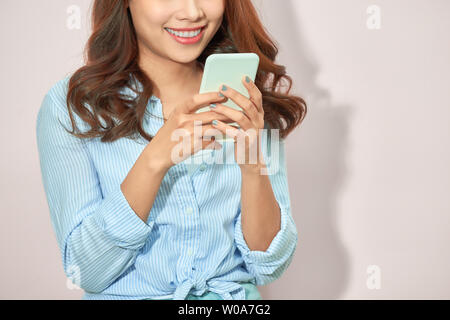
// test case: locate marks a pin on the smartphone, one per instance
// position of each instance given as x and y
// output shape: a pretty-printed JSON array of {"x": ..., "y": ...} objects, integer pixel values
[{"x": 228, "y": 69}]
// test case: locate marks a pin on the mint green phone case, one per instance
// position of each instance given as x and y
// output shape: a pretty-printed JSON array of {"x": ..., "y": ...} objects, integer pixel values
[{"x": 228, "y": 69}]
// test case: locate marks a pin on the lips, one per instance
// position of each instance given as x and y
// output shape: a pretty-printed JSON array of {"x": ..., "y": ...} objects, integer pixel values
[
  {"x": 187, "y": 29},
  {"x": 187, "y": 40}
]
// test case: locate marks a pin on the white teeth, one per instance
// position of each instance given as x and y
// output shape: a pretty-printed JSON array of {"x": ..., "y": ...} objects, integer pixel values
[{"x": 185, "y": 34}]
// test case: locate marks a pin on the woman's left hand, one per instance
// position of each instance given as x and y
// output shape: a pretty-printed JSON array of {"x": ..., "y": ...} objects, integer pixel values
[{"x": 250, "y": 120}]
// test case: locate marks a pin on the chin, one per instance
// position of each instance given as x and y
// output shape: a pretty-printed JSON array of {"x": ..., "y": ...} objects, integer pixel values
[
  {"x": 185, "y": 57},
  {"x": 185, "y": 60}
]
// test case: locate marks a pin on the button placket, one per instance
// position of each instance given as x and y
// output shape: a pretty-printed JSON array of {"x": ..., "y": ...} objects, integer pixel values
[{"x": 189, "y": 207}]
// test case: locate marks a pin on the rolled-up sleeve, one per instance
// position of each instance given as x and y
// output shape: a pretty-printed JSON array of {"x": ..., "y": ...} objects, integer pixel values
[
  {"x": 99, "y": 237},
  {"x": 268, "y": 265}
]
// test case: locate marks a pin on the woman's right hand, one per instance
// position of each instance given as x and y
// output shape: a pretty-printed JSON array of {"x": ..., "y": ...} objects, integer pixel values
[{"x": 165, "y": 151}]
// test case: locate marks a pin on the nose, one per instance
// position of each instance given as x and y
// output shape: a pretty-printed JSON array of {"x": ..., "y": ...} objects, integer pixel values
[{"x": 191, "y": 10}]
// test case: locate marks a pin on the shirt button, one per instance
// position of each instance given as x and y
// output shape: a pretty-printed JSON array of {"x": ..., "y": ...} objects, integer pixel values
[
  {"x": 189, "y": 210},
  {"x": 189, "y": 252},
  {"x": 202, "y": 167}
]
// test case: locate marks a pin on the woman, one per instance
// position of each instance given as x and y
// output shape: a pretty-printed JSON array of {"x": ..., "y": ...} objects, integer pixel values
[{"x": 131, "y": 222}]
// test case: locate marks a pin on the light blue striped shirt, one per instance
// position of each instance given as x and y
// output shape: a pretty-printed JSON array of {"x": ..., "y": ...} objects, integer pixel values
[{"x": 192, "y": 241}]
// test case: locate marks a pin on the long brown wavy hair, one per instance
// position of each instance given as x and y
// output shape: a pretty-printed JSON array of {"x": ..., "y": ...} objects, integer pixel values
[{"x": 111, "y": 56}]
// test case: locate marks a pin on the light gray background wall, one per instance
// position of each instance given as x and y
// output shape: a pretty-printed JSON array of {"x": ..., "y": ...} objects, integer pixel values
[{"x": 368, "y": 170}]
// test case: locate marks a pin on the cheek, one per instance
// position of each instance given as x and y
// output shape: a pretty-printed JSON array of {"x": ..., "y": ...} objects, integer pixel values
[
  {"x": 149, "y": 19},
  {"x": 214, "y": 9}
]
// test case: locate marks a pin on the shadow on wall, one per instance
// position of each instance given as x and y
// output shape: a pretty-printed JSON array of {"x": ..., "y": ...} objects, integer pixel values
[{"x": 316, "y": 154}]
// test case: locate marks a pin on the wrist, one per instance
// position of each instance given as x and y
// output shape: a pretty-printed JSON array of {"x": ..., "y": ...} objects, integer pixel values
[
  {"x": 155, "y": 163},
  {"x": 252, "y": 169},
  {"x": 157, "y": 167}
]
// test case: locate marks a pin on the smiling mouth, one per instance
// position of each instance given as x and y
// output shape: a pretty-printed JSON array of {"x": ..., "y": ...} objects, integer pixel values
[
  {"x": 187, "y": 29},
  {"x": 187, "y": 37},
  {"x": 187, "y": 34}
]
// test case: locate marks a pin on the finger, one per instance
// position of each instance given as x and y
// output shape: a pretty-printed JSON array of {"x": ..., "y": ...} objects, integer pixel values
[
  {"x": 206, "y": 137},
  {"x": 206, "y": 132},
  {"x": 228, "y": 130},
  {"x": 201, "y": 100},
  {"x": 212, "y": 132},
  {"x": 237, "y": 116},
  {"x": 208, "y": 117},
  {"x": 205, "y": 144},
  {"x": 242, "y": 101},
  {"x": 209, "y": 132},
  {"x": 254, "y": 92}
]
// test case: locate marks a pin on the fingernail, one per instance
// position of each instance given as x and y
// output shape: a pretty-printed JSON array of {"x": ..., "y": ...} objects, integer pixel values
[
  {"x": 212, "y": 105},
  {"x": 224, "y": 88},
  {"x": 247, "y": 79},
  {"x": 214, "y": 122}
]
